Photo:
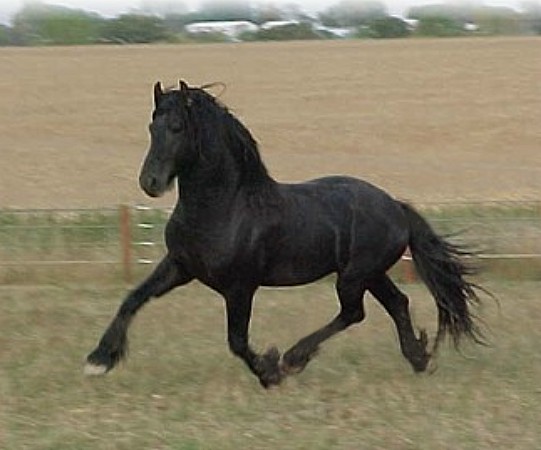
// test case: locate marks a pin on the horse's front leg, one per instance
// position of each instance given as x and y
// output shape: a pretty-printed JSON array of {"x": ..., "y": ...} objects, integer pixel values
[
  {"x": 239, "y": 310},
  {"x": 113, "y": 344}
]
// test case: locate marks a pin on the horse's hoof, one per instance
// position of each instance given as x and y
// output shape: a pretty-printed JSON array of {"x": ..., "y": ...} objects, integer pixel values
[
  {"x": 272, "y": 356},
  {"x": 93, "y": 370},
  {"x": 270, "y": 380},
  {"x": 101, "y": 361},
  {"x": 269, "y": 371}
]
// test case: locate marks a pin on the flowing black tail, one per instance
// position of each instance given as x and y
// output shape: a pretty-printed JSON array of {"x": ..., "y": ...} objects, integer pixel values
[{"x": 441, "y": 266}]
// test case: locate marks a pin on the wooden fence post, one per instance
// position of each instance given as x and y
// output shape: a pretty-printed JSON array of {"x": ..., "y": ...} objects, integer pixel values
[
  {"x": 126, "y": 242},
  {"x": 408, "y": 269}
]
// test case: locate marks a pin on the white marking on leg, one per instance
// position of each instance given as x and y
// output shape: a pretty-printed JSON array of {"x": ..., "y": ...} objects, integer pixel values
[{"x": 93, "y": 370}]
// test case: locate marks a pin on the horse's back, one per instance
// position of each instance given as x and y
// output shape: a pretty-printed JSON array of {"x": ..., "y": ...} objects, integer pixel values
[
  {"x": 328, "y": 223},
  {"x": 348, "y": 202},
  {"x": 343, "y": 195}
]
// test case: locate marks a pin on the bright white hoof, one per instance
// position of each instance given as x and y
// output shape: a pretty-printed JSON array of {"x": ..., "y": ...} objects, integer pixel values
[{"x": 94, "y": 370}]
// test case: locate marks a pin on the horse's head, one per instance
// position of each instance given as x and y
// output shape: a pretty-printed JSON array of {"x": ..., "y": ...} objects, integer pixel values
[{"x": 171, "y": 143}]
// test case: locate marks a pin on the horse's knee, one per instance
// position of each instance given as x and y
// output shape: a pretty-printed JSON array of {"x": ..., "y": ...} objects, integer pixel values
[
  {"x": 351, "y": 316},
  {"x": 350, "y": 293}
]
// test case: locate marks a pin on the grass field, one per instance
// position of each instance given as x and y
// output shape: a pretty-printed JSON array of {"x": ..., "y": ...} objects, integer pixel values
[
  {"x": 427, "y": 120},
  {"x": 181, "y": 389}
]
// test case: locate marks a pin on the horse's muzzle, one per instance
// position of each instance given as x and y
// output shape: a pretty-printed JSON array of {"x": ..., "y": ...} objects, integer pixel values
[{"x": 152, "y": 186}]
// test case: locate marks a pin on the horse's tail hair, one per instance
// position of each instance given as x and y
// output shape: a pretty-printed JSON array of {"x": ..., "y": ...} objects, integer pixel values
[{"x": 442, "y": 268}]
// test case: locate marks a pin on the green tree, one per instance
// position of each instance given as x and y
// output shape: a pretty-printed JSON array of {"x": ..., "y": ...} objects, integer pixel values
[
  {"x": 38, "y": 24},
  {"x": 439, "y": 26},
  {"x": 134, "y": 29},
  {"x": 389, "y": 27},
  {"x": 492, "y": 20},
  {"x": 5, "y": 35},
  {"x": 175, "y": 23},
  {"x": 498, "y": 21},
  {"x": 290, "y": 32},
  {"x": 459, "y": 12}
]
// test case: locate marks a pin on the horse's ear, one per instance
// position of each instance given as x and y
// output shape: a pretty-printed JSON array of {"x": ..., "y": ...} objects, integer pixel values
[
  {"x": 183, "y": 86},
  {"x": 158, "y": 93}
]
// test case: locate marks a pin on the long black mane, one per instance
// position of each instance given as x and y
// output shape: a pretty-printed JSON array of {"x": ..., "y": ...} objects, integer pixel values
[{"x": 212, "y": 126}]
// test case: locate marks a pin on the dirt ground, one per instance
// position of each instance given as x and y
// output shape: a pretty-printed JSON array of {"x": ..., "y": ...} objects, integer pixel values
[{"x": 428, "y": 120}]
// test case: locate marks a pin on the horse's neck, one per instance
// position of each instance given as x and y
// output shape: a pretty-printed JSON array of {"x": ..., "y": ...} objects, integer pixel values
[
  {"x": 210, "y": 184},
  {"x": 227, "y": 167}
]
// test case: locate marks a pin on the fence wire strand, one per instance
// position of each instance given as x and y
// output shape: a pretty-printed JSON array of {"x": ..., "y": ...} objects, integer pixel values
[{"x": 78, "y": 237}]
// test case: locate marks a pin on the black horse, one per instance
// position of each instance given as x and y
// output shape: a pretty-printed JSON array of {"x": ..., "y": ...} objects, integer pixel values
[{"x": 234, "y": 228}]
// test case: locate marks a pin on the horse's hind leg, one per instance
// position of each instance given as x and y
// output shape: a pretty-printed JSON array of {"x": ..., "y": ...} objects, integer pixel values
[
  {"x": 396, "y": 305},
  {"x": 112, "y": 346},
  {"x": 350, "y": 294}
]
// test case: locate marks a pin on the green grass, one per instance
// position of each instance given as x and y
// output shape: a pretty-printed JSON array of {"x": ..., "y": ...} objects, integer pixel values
[
  {"x": 182, "y": 389},
  {"x": 496, "y": 227},
  {"x": 45, "y": 230},
  {"x": 49, "y": 240}
]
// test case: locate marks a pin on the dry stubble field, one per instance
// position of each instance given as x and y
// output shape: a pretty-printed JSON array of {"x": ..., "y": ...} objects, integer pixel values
[{"x": 427, "y": 120}]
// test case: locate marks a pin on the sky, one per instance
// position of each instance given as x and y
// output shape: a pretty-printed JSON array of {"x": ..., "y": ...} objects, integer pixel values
[{"x": 111, "y": 8}]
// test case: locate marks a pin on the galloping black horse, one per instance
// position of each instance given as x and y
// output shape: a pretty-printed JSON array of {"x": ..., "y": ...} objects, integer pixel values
[{"x": 234, "y": 228}]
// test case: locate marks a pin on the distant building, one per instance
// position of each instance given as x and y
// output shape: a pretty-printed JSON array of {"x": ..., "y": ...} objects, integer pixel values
[
  {"x": 471, "y": 27},
  {"x": 336, "y": 32},
  {"x": 278, "y": 23},
  {"x": 231, "y": 29},
  {"x": 412, "y": 24}
]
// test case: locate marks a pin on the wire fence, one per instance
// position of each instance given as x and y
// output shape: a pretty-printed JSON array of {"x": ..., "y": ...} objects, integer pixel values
[{"x": 118, "y": 241}]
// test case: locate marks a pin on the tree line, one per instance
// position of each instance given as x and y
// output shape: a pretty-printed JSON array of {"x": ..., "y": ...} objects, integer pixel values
[{"x": 43, "y": 24}]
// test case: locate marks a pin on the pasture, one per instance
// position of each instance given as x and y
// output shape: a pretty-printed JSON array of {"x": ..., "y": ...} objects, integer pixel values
[
  {"x": 427, "y": 120},
  {"x": 181, "y": 388}
]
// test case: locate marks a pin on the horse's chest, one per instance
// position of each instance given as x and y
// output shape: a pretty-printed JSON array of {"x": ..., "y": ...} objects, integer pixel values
[{"x": 210, "y": 253}]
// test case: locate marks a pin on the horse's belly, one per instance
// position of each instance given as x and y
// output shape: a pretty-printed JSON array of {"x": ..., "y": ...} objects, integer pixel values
[{"x": 298, "y": 269}]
